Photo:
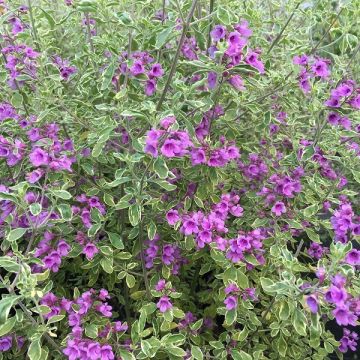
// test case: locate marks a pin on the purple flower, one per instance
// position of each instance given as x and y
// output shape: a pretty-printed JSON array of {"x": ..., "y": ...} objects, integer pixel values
[
  {"x": 348, "y": 341},
  {"x": 218, "y": 33},
  {"x": 333, "y": 102},
  {"x": 164, "y": 304},
  {"x": 119, "y": 326},
  {"x": 34, "y": 176},
  {"x": 106, "y": 353},
  {"x": 52, "y": 261},
  {"x": 39, "y": 157},
  {"x": 300, "y": 60},
  {"x": 160, "y": 286},
  {"x": 212, "y": 77},
  {"x": 72, "y": 350},
  {"x": 90, "y": 250},
  {"x": 320, "y": 68},
  {"x": 344, "y": 317},
  {"x": 312, "y": 303},
  {"x": 172, "y": 217},
  {"x": 137, "y": 68},
  {"x": 237, "y": 82},
  {"x": 279, "y": 208},
  {"x": 198, "y": 156},
  {"x": 156, "y": 71},
  {"x": 252, "y": 60},
  {"x": 5, "y": 343},
  {"x": 104, "y": 309},
  {"x": 150, "y": 87},
  {"x": 353, "y": 257},
  {"x": 243, "y": 28},
  {"x": 167, "y": 121},
  {"x": 231, "y": 302}
]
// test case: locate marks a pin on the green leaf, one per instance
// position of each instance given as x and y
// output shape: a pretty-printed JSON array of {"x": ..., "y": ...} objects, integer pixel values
[
  {"x": 164, "y": 36},
  {"x": 9, "y": 264},
  {"x": 49, "y": 18},
  {"x": 230, "y": 317},
  {"x": 96, "y": 151},
  {"x": 130, "y": 281},
  {"x": 34, "y": 351},
  {"x": 62, "y": 194},
  {"x": 196, "y": 353},
  {"x": 16, "y": 234},
  {"x": 240, "y": 355},
  {"x": 161, "y": 168},
  {"x": 299, "y": 322},
  {"x": 242, "y": 279},
  {"x": 55, "y": 319},
  {"x": 91, "y": 331},
  {"x": 134, "y": 214},
  {"x": 107, "y": 76},
  {"x": 107, "y": 264},
  {"x": 35, "y": 208},
  {"x": 284, "y": 312},
  {"x": 311, "y": 210},
  {"x": 116, "y": 240},
  {"x": 7, "y": 327},
  {"x": 126, "y": 355},
  {"x": 165, "y": 185}
]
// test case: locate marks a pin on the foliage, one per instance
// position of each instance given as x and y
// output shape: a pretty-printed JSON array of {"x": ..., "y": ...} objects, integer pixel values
[{"x": 179, "y": 179}]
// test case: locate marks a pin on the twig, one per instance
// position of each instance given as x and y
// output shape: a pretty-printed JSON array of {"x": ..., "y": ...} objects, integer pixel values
[
  {"x": 33, "y": 27},
  {"x": 276, "y": 40},
  {"x": 211, "y": 9},
  {"x": 313, "y": 50},
  {"x": 176, "y": 58}
]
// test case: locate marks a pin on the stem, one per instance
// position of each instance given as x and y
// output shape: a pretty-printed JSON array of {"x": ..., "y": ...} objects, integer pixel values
[
  {"x": 211, "y": 9},
  {"x": 301, "y": 243},
  {"x": 283, "y": 29},
  {"x": 33, "y": 27},
  {"x": 313, "y": 50},
  {"x": 176, "y": 58},
  {"x": 87, "y": 17}
]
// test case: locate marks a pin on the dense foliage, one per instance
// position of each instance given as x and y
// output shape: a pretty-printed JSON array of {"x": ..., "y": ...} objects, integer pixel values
[{"x": 179, "y": 179}]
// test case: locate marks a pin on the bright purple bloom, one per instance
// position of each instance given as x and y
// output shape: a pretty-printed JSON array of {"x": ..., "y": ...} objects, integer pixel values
[
  {"x": 90, "y": 250},
  {"x": 218, "y": 33},
  {"x": 150, "y": 87},
  {"x": 279, "y": 208},
  {"x": 231, "y": 302},
  {"x": 164, "y": 304},
  {"x": 312, "y": 303},
  {"x": 353, "y": 257},
  {"x": 39, "y": 157},
  {"x": 212, "y": 77}
]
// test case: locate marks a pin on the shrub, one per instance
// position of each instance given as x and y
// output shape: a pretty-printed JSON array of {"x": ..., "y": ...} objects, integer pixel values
[{"x": 179, "y": 179}]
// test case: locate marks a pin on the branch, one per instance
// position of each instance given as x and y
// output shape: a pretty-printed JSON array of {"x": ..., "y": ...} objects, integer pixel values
[{"x": 176, "y": 58}]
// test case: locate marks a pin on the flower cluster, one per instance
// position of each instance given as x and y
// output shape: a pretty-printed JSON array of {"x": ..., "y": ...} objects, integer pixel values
[
  {"x": 142, "y": 67},
  {"x": 20, "y": 63},
  {"x": 343, "y": 223},
  {"x": 178, "y": 144},
  {"x": 89, "y": 249},
  {"x": 66, "y": 70},
  {"x": 51, "y": 256},
  {"x": 346, "y": 92},
  {"x": 79, "y": 312},
  {"x": 6, "y": 342},
  {"x": 87, "y": 204},
  {"x": 317, "y": 251},
  {"x": 348, "y": 341},
  {"x": 164, "y": 304},
  {"x": 169, "y": 254},
  {"x": 174, "y": 143},
  {"x": 311, "y": 67}
]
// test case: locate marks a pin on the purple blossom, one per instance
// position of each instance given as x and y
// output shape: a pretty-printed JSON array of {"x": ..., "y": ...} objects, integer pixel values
[
  {"x": 312, "y": 303},
  {"x": 218, "y": 33},
  {"x": 231, "y": 302},
  {"x": 279, "y": 208},
  {"x": 164, "y": 304}
]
